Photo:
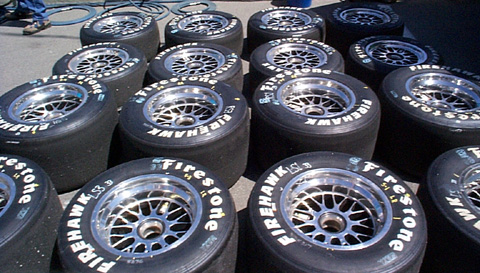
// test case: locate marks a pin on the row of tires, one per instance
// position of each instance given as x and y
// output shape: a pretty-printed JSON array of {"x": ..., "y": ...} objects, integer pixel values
[
  {"x": 67, "y": 122},
  {"x": 313, "y": 212}
]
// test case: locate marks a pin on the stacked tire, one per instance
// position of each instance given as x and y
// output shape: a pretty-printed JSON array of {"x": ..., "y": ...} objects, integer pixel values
[
  {"x": 30, "y": 211},
  {"x": 200, "y": 119},
  {"x": 427, "y": 111},
  {"x": 313, "y": 110},
  {"x": 151, "y": 215},
  {"x": 450, "y": 197},
  {"x": 283, "y": 22},
  {"x": 333, "y": 212}
]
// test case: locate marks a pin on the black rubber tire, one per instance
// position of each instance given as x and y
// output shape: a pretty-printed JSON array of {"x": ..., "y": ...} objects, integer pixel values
[
  {"x": 287, "y": 54},
  {"x": 219, "y": 142},
  {"x": 314, "y": 189},
  {"x": 452, "y": 209},
  {"x": 351, "y": 22},
  {"x": 311, "y": 26},
  {"x": 209, "y": 241},
  {"x": 123, "y": 71},
  {"x": 217, "y": 62},
  {"x": 134, "y": 28},
  {"x": 372, "y": 58},
  {"x": 423, "y": 128},
  {"x": 225, "y": 29},
  {"x": 71, "y": 148},
  {"x": 30, "y": 211},
  {"x": 340, "y": 113}
]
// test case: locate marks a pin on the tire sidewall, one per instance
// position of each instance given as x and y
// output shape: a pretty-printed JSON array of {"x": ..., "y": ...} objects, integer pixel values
[
  {"x": 32, "y": 187},
  {"x": 157, "y": 70},
  {"x": 394, "y": 92},
  {"x": 136, "y": 60},
  {"x": 316, "y": 27},
  {"x": 280, "y": 241},
  {"x": 266, "y": 103},
  {"x": 135, "y": 125},
  {"x": 260, "y": 63},
  {"x": 203, "y": 245},
  {"x": 87, "y": 31},
  {"x": 446, "y": 189},
  {"x": 15, "y": 132},
  {"x": 334, "y": 20},
  {"x": 358, "y": 55},
  {"x": 173, "y": 30}
]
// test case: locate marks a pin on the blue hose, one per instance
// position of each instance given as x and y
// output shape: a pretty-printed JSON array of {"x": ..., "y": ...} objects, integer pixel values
[
  {"x": 177, "y": 9},
  {"x": 91, "y": 13}
]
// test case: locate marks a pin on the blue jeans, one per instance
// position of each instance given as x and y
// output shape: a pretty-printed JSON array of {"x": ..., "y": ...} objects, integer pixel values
[{"x": 36, "y": 6}]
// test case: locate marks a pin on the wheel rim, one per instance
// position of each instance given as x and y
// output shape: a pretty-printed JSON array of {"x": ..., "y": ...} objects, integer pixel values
[
  {"x": 470, "y": 185},
  {"x": 336, "y": 209},
  {"x": 444, "y": 92},
  {"x": 7, "y": 191},
  {"x": 195, "y": 61},
  {"x": 203, "y": 23},
  {"x": 48, "y": 103},
  {"x": 146, "y": 215},
  {"x": 98, "y": 61},
  {"x": 296, "y": 56},
  {"x": 118, "y": 24},
  {"x": 396, "y": 53},
  {"x": 183, "y": 107},
  {"x": 286, "y": 18},
  {"x": 316, "y": 97},
  {"x": 365, "y": 16}
]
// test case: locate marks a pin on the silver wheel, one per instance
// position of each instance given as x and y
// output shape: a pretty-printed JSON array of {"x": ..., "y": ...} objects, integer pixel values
[
  {"x": 7, "y": 192},
  {"x": 316, "y": 97},
  {"x": 336, "y": 209},
  {"x": 365, "y": 16},
  {"x": 146, "y": 215},
  {"x": 470, "y": 185},
  {"x": 118, "y": 24},
  {"x": 296, "y": 56},
  {"x": 444, "y": 92},
  {"x": 48, "y": 103},
  {"x": 99, "y": 60},
  {"x": 194, "y": 61},
  {"x": 203, "y": 23},
  {"x": 396, "y": 53},
  {"x": 183, "y": 107},
  {"x": 286, "y": 18}
]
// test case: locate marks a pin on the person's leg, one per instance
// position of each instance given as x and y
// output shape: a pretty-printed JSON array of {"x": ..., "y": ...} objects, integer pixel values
[
  {"x": 22, "y": 11},
  {"x": 40, "y": 18},
  {"x": 39, "y": 10}
]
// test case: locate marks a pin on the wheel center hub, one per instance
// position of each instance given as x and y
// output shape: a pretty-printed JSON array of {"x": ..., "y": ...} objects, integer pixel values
[
  {"x": 151, "y": 229},
  {"x": 100, "y": 64},
  {"x": 195, "y": 65},
  {"x": 332, "y": 222},
  {"x": 314, "y": 111},
  {"x": 296, "y": 60},
  {"x": 441, "y": 105},
  {"x": 118, "y": 28},
  {"x": 3, "y": 200},
  {"x": 395, "y": 56},
  {"x": 364, "y": 20},
  {"x": 185, "y": 121},
  {"x": 54, "y": 115},
  {"x": 203, "y": 27},
  {"x": 286, "y": 23}
]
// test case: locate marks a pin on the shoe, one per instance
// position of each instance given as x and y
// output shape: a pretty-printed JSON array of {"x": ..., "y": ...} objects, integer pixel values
[
  {"x": 36, "y": 27},
  {"x": 18, "y": 15}
]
